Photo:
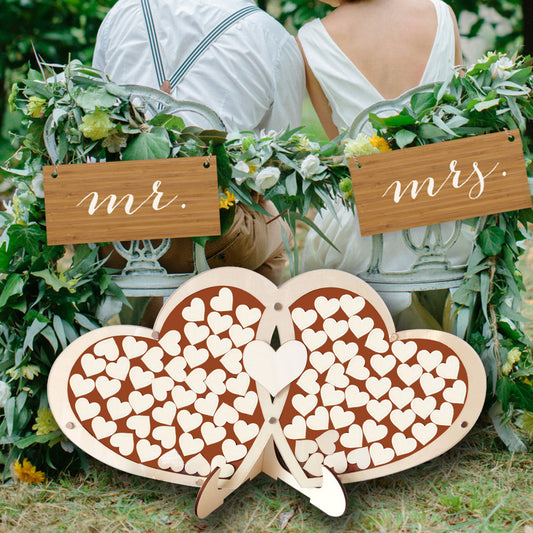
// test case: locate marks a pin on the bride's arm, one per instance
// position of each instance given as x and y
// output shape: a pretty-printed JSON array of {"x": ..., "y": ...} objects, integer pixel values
[
  {"x": 458, "y": 52},
  {"x": 319, "y": 100}
]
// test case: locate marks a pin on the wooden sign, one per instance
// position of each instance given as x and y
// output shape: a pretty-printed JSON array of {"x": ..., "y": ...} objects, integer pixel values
[
  {"x": 441, "y": 182},
  {"x": 204, "y": 400},
  {"x": 131, "y": 200}
]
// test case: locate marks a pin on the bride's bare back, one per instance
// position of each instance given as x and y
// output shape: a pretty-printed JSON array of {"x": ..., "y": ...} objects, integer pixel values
[{"x": 389, "y": 41}]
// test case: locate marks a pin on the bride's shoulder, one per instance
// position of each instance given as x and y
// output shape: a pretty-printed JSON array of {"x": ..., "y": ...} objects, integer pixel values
[{"x": 311, "y": 30}]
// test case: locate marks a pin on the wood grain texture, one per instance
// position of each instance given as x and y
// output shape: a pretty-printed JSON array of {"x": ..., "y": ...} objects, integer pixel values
[
  {"x": 499, "y": 185},
  {"x": 189, "y": 192}
]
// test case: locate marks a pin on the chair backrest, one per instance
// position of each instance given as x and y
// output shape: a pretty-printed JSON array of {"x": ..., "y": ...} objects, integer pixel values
[
  {"x": 431, "y": 268},
  {"x": 143, "y": 275}
]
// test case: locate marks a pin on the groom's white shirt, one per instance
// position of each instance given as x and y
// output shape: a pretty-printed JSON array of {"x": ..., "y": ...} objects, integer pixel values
[{"x": 252, "y": 76}]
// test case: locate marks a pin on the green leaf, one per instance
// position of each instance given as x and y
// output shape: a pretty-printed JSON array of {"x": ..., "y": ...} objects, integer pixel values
[
  {"x": 404, "y": 137},
  {"x": 49, "y": 334},
  {"x": 430, "y": 131},
  {"x": 52, "y": 281},
  {"x": 85, "y": 322},
  {"x": 35, "y": 328},
  {"x": 32, "y": 439},
  {"x": 291, "y": 182},
  {"x": 152, "y": 145},
  {"x": 169, "y": 122},
  {"x": 487, "y": 104},
  {"x": 116, "y": 90},
  {"x": 215, "y": 136},
  {"x": 27, "y": 237},
  {"x": 93, "y": 97},
  {"x": 9, "y": 412},
  {"x": 14, "y": 285},
  {"x": 403, "y": 119},
  {"x": 523, "y": 392},
  {"x": 491, "y": 240},
  {"x": 421, "y": 102},
  {"x": 504, "y": 389}
]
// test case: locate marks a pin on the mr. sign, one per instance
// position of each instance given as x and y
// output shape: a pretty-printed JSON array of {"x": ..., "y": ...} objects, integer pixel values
[{"x": 130, "y": 200}]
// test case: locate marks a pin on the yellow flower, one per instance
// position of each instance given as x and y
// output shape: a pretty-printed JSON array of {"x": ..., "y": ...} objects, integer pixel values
[
  {"x": 380, "y": 143},
  {"x": 226, "y": 200},
  {"x": 359, "y": 146},
  {"x": 525, "y": 421},
  {"x": 513, "y": 356},
  {"x": 96, "y": 125},
  {"x": 35, "y": 106},
  {"x": 28, "y": 372},
  {"x": 28, "y": 473},
  {"x": 45, "y": 422}
]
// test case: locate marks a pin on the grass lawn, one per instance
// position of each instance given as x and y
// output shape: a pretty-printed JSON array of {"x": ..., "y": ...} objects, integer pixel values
[{"x": 477, "y": 486}]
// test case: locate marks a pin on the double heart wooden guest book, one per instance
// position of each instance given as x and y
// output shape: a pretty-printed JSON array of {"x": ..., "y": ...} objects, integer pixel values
[{"x": 203, "y": 399}]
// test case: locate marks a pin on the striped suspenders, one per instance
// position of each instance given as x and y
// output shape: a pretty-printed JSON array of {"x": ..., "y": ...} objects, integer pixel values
[{"x": 202, "y": 46}]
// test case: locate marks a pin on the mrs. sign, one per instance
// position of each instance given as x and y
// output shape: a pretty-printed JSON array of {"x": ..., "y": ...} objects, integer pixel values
[{"x": 441, "y": 182}]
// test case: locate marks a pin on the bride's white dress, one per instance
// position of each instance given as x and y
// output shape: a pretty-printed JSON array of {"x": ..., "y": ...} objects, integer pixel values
[{"x": 349, "y": 93}]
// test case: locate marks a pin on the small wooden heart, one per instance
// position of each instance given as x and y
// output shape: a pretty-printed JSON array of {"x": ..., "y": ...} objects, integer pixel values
[{"x": 275, "y": 369}]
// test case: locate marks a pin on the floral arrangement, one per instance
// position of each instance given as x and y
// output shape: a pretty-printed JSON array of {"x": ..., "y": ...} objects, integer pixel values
[{"x": 492, "y": 95}]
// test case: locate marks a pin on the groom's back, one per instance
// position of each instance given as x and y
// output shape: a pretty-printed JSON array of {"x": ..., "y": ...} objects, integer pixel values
[{"x": 251, "y": 74}]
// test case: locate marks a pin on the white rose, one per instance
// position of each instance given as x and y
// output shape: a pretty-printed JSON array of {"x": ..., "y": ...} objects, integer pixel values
[
  {"x": 310, "y": 166},
  {"x": 37, "y": 185},
  {"x": 502, "y": 67},
  {"x": 267, "y": 178},
  {"x": 5, "y": 394}
]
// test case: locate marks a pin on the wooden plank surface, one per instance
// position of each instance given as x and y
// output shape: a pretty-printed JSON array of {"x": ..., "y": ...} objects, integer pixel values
[
  {"x": 441, "y": 182},
  {"x": 131, "y": 200}
]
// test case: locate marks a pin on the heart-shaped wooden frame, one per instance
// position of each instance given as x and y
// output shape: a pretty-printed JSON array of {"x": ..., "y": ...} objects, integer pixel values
[{"x": 311, "y": 413}]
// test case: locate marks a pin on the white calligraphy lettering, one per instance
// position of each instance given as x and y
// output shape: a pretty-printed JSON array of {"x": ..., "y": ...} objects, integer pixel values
[
  {"x": 156, "y": 195},
  {"x": 429, "y": 183}
]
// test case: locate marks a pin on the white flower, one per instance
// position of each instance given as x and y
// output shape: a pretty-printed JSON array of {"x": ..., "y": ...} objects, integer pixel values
[
  {"x": 242, "y": 167},
  {"x": 5, "y": 394},
  {"x": 267, "y": 178},
  {"x": 359, "y": 146},
  {"x": 37, "y": 185},
  {"x": 502, "y": 68},
  {"x": 310, "y": 166}
]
